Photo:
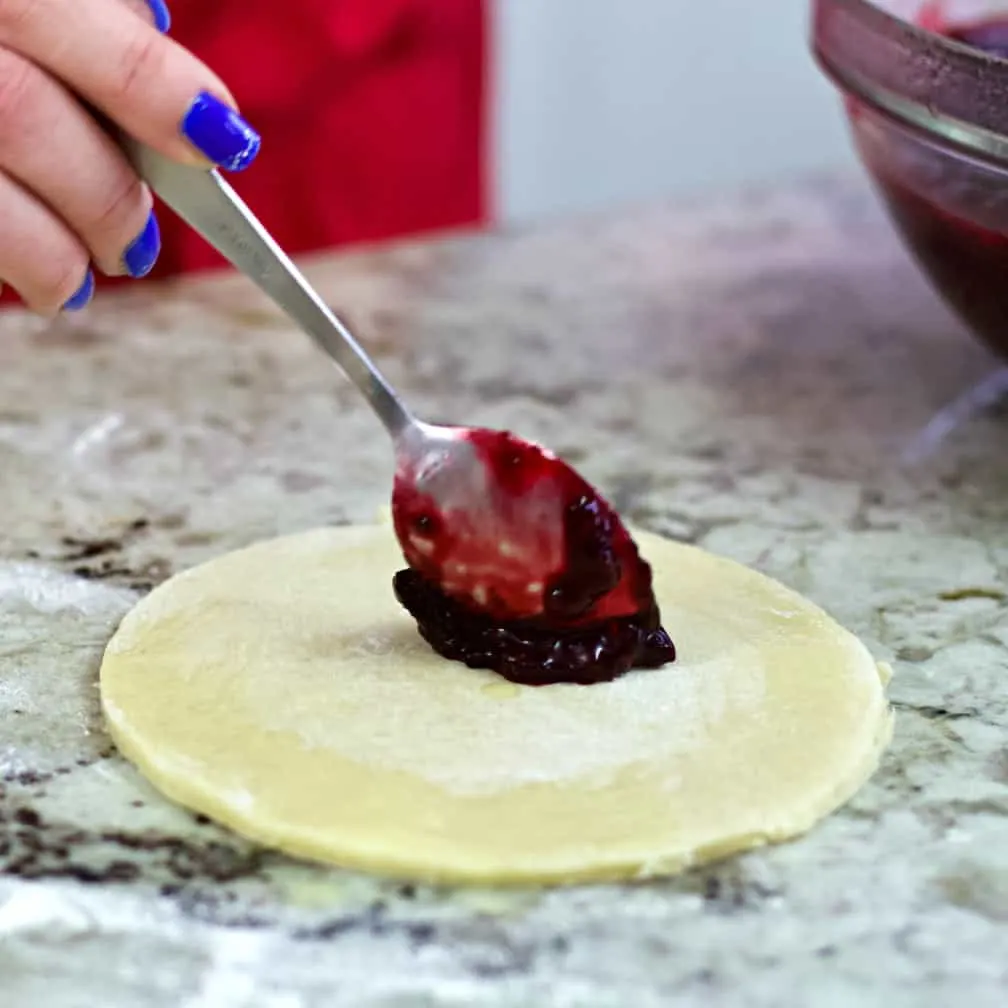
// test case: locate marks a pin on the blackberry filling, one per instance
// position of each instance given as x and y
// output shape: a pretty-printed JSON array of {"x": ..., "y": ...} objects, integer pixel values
[{"x": 528, "y": 652}]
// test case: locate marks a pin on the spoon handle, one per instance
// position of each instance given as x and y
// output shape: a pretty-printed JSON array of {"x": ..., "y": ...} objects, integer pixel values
[{"x": 214, "y": 210}]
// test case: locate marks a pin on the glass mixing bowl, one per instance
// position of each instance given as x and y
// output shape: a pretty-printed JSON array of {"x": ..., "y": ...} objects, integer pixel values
[{"x": 925, "y": 84}]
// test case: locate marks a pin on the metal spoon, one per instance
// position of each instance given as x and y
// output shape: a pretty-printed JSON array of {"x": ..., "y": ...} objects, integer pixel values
[
  {"x": 214, "y": 210},
  {"x": 205, "y": 201},
  {"x": 495, "y": 537}
]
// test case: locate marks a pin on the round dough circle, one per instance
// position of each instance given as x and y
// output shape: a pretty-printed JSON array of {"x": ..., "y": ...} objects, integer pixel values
[{"x": 281, "y": 690}]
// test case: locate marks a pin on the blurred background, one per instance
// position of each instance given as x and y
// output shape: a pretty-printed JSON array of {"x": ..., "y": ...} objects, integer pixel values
[
  {"x": 389, "y": 118},
  {"x": 384, "y": 118},
  {"x": 596, "y": 102}
]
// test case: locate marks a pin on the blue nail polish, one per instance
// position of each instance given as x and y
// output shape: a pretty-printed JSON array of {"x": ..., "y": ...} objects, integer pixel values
[
  {"x": 83, "y": 294},
  {"x": 219, "y": 133},
  {"x": 162, "y": 16},
  {"x": 142, "y": 253}
]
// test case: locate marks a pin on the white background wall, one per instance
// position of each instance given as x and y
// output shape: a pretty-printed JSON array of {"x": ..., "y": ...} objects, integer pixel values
[{"x": 608, "y": 101}]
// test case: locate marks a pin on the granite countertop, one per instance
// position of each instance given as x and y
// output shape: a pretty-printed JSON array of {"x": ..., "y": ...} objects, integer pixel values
[{"x": 752, "y": 373}]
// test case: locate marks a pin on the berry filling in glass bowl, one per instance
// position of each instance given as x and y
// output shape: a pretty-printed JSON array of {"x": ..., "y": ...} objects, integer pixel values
[{"x": 924, "y": 87}]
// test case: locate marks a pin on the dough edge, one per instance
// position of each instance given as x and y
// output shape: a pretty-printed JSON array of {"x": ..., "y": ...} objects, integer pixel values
[
  {"x": 388, "y": 864},
  {"x": 167, "y": 776}
]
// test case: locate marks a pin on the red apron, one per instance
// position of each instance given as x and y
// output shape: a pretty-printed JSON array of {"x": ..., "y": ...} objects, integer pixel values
[{"x": 371, "y": 113}]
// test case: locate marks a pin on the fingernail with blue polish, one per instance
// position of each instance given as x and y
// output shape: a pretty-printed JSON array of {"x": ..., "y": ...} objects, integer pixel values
[
  {"x": 142, "y": 253},
  {"x": 83, "y": 294},
  {"x": 219, "y": 133},
  {"x": 162, "y": 16}
]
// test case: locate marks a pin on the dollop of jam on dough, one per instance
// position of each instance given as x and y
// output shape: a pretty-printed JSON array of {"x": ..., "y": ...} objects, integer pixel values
[{"x": 558, "y": 593}]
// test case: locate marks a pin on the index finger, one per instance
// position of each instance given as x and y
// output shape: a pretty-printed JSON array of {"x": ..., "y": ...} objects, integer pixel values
[{"x": 146, "y": 83}]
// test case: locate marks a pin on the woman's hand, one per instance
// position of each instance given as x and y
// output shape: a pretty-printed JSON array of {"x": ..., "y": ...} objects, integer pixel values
[{"x": 69, "y": 70}]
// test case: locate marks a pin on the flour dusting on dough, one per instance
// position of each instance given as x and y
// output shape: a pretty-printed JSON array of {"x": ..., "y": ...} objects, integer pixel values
[{"x": 553, "y": 733}]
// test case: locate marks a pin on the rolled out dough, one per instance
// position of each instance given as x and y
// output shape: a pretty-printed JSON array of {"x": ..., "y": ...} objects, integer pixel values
[{"x": 282, "y": 691}]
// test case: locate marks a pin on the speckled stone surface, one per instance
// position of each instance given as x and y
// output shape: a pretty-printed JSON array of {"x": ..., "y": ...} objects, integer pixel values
[{"x": 748, "y": 373}]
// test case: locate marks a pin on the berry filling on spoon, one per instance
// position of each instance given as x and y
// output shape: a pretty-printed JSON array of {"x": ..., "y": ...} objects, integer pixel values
[{"x": 518, "y": 565}]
